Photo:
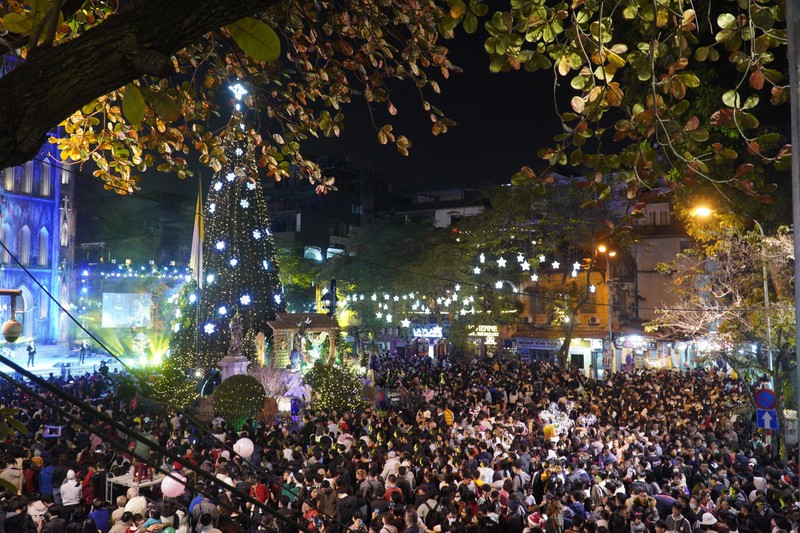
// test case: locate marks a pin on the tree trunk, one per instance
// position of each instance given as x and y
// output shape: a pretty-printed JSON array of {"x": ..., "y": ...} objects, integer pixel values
[{"x": 55, "y": 82}]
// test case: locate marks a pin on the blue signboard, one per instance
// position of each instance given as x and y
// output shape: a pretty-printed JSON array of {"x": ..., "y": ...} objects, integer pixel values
[{"x": 767, "y": 418}]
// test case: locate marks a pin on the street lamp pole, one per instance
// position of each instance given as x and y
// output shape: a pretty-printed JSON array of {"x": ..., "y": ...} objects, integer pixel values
[
  {"x": 609, "y": 306},
  {"x": 765, "y": 275}
]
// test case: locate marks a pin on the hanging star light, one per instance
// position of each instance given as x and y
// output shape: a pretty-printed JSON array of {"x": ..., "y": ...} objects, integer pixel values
[
  {"x": 520, "y": 258},
  {"x": 210, "y": 279},
  {"x": 256, "y": 234},
  {"x": 374, "y": 297},
  {"x": 457, "y": 288},
  {"x": 574, "y": 273},
  {"x": 212, "y": 208},
  {"x": 238, "y": 152},
  {"x": 230, "y": 176},
  {"x": 192, "y": 298},
  {"x": 378, "y": 315},
  {"x": 385, "y": 296},
  {"x": 222, "y": 310},
  {"x": 476, "y": 270},
  {"x": 220, "y": 245},
  {"x": 498, "y": 284},
  {"x": 388, "y": 318},
  {"x": 576, "y": 266},
  {"x": 405, "y": 322},
  {"x": 245, "y": 299},
  {"x": 233, "y": 262},
  {"x": 209, "y": 328},
  {"x": 277, "y": 298},
  {"x": 176, "y": 327},
  {"x": 592, "y": 289},
  {"x": 251, "y": 186},
  {"x": 501, "y": 263},
  {"x": 396, "y": 298},
  {"x": 265, "y": 264},
  {"x": 482, "y": 258},
  {"x": 526, "y": 266},
  {"x": 217, "y": 186},
  {"x": 244, "y": 202},
  {"x": 534, "y": 277},
  {"x": 542, "y": 258},
  {"x": 555, "y": 265},
  {"x": 361, "y": 297}
]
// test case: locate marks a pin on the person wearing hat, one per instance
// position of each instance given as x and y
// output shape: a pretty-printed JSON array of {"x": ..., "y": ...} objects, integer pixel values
[{"x": 707, "y": 522}]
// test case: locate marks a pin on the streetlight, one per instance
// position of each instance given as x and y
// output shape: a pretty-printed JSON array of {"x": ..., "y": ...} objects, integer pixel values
[
  {"x": 603, "y": 249},
  {"x": 705, "y": 212},
  {"x": 12, "y": 329}
]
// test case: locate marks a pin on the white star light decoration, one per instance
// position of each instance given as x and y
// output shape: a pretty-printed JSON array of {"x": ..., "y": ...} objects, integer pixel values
[
  {"x": 265, "y": 264},
  {"x": 244, "y": 202},
  {"x": 482, "y": 258},
  {"x": 238, "y": 151},
  {"x": 192, "y": 298},
  {"x": 555, "y": 265},
  {"x": 245, "y": 299},
  {"x": 525, "y": 266},
  {"x": 379, "y": 315},
  {"x": 176, "y": 327},
  {"x": 238, "y": 90},
  {"x": 230, "y": 176},
  {"x": 477, "y": 270},
  {"x": 498, "y": 284},
  {"x": 234, "y": 262},
  {"x": 501, "y": 263},
  {"x": 592, "y": 289},
  {"x": 220, "y": 245},
  {"x": 217, "y": 185},
  {"x": 457, "y": 288},
  {"x": 222, "y": 310},
  {"x": 374, "y": 297},
  {"x": 209, "y": 328},
  {"x": 212, "y": 208},
  {"x": 277, "y": 298},
  {"x": 542, "y": 258},
  {"x": 534, "y": 277},
  {"x": 405, "y": 322},
  {"x": 256, "y": 234},
  {"x": 251, "y": 186},
  {"x": 576, "y": 266},
  {"x": 210, "y": 279},
  {"x": 388, "y": 318},
  {"x": 520, "y": 258}
]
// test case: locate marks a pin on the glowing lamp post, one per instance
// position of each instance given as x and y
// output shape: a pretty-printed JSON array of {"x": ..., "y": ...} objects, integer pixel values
[{"x": 603, "y": 249}]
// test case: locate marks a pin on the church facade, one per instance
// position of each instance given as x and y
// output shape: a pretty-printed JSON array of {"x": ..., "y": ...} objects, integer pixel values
[{"x": 37, "y": 229}]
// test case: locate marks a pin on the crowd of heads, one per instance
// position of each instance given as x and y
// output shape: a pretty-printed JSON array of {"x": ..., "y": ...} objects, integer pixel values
[{"x": 491, "y": 445}]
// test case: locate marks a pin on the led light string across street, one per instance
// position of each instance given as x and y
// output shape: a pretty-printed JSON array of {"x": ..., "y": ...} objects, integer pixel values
[
  {"x": 555, "y": 299},
  {"x": 141, "y": 379}
]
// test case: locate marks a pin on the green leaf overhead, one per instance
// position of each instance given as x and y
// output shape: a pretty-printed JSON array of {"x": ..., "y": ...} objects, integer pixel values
[
  {"x": 256, "y": 39},
  {"x": 133, "y": 104}
]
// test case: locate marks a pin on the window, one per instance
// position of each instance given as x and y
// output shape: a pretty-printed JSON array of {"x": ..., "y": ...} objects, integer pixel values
[
  {"x": 538, "y": 302},
  {"x": 64, "y": 176},
  {"x": 6, "y": 258},
  {"x": 27, "y": 178},
  {"x": 64, "y": 236},
  {"x": 24, "y": 248},
  {"x": 43, "y": 248},
  {"x": 44, "y": 184},
  {"x": 8, "y": 179},
  {"x": 664, "y": 218}
]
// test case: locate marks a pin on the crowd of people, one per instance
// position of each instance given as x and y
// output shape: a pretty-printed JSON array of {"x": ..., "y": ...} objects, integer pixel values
[{"x": 493, "y": 445}]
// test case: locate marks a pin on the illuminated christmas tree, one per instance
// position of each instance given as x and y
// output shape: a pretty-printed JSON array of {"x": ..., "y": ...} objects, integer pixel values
[{"x": 239, "y": 274}]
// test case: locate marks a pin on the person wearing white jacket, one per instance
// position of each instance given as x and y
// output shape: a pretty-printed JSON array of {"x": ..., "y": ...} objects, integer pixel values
[{"x": 71, "y": 490}]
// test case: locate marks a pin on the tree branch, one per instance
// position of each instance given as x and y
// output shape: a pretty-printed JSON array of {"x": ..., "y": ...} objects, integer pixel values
[{"x": 40, "y": 93}]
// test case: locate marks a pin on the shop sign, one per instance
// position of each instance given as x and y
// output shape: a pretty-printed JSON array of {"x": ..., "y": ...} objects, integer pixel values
[
  {"x": 538, "y": 344},
  {"x": 488, "y": 332},
  {"x": 431, "y": 332}
]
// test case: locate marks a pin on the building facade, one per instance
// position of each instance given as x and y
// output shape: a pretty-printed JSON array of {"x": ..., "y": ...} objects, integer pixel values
[{"x": 38, "y": 233}]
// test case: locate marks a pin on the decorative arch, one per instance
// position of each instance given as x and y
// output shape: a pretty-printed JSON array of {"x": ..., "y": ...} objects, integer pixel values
[
  {"x": 24, "y": 246},
  {"x": 64, "y": 235},
  {"x": 43, "y": 247}
]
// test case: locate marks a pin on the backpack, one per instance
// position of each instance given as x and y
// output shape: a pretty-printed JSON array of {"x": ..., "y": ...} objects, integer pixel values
[{"x": 434, "y": 516}]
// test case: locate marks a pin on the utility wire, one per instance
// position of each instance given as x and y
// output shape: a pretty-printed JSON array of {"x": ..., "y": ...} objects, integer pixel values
[
  {"x": 558, "y": 298},
  {"x": 70, "y": 399},
  {"x": 143, "y": 380}
]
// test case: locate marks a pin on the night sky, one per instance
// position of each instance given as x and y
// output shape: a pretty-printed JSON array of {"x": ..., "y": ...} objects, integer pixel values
[{"x": 503, "y": 119}]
